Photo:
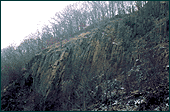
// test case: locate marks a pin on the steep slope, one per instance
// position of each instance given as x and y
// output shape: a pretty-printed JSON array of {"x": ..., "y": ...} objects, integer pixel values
[{"x": 97, "y": 68}]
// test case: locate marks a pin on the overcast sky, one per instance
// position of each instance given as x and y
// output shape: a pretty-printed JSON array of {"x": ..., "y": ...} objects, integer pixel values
[{"x": 21, "y": 18}]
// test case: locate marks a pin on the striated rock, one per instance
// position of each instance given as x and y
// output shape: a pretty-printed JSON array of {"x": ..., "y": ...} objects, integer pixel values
[{"x": 63, "y": 78}]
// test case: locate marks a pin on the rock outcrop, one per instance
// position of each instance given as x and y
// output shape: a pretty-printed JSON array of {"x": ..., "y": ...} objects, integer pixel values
[{"x": 66, "y": 78}]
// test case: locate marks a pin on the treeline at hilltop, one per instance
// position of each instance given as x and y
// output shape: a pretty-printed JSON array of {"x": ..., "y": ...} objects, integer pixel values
[
  {"x": 91, "y": 59},
  {"x": 65, "y": 25}
]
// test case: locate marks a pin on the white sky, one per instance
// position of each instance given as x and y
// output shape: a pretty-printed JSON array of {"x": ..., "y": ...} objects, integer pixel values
[{"x": 21, "y": 18}]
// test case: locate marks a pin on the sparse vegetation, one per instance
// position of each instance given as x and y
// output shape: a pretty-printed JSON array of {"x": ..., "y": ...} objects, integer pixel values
[{"x": 93, "y": 71}]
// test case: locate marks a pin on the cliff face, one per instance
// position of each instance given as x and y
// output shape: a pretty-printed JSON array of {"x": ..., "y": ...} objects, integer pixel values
[{"x": 69, "y": 78}]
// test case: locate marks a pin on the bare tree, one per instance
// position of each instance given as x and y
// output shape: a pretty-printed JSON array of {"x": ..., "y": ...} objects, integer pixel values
[{"x": 112, "y": 8}]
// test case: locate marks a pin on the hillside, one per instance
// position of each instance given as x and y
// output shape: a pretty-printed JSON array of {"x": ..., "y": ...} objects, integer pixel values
[{"x": 123, "y": 64}]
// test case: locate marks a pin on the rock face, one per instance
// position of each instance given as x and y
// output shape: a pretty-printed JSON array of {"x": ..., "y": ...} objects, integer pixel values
[{"x": 66, "y": 78}]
